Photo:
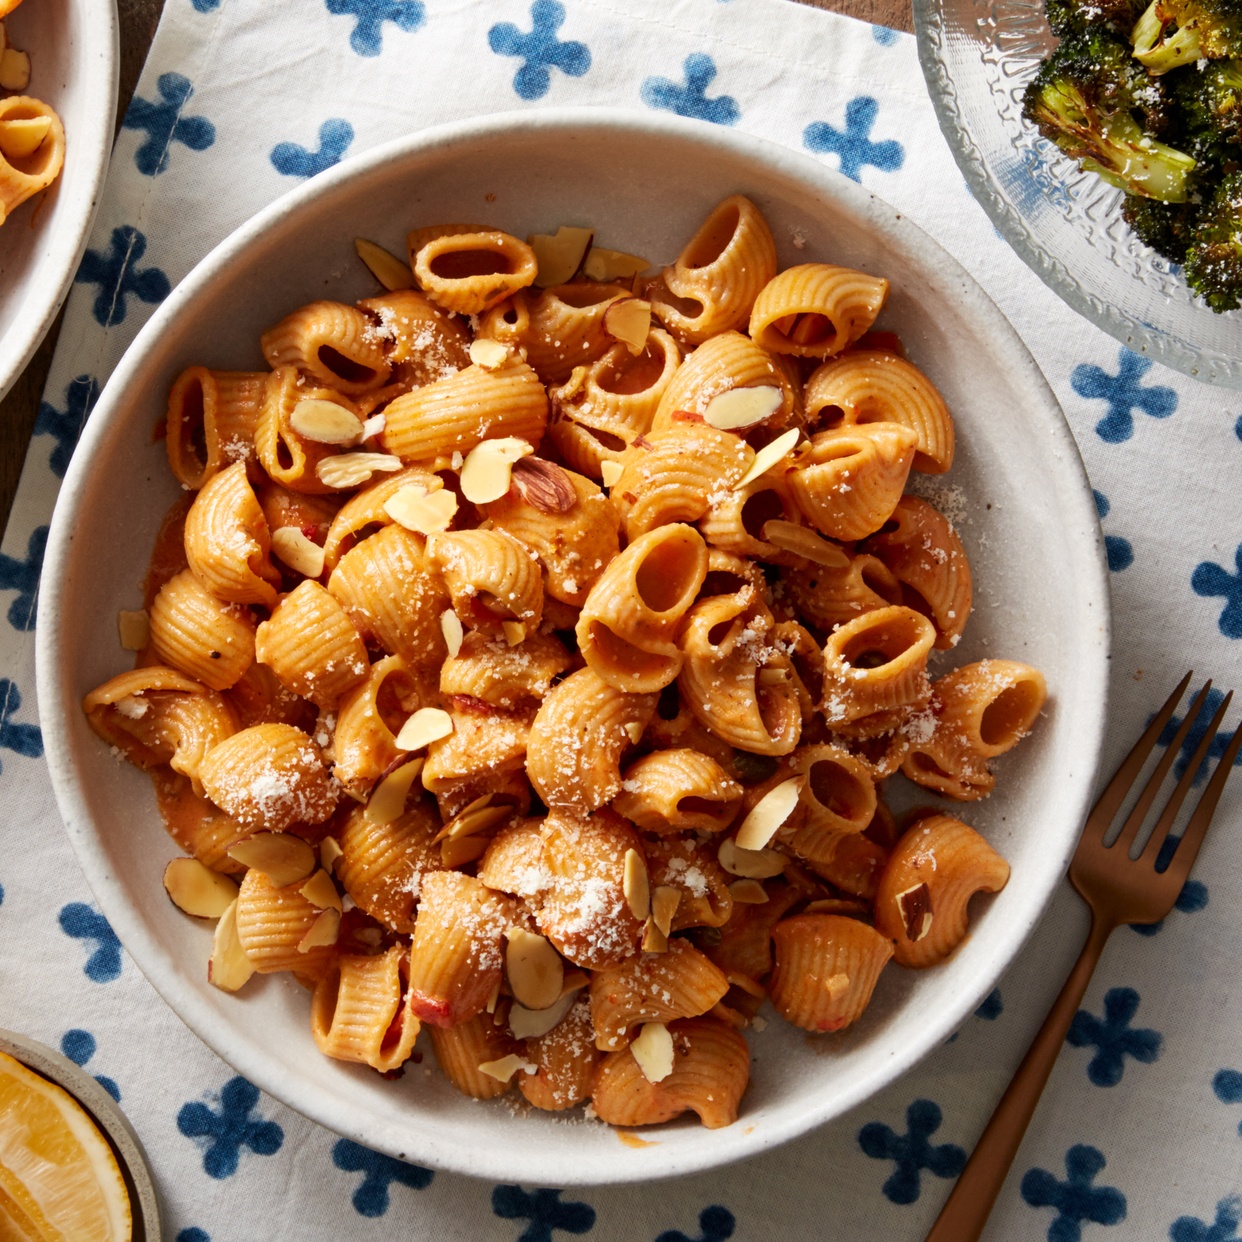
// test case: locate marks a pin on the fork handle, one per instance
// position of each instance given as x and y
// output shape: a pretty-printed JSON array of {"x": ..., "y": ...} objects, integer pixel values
[{"x": 967, "y": 1209}]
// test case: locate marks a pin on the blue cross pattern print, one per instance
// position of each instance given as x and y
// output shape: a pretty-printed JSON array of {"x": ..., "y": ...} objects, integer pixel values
[
  {"x": 379, "y": 1173},
  {"x": 23, "y": 577},
  {"x": 22, "y": 739},
  {"x": 66, "y": 425},
  {"x": 1076, "y": 1199},
  {"x": 1223, "y": 1229},
  {"x": 1210, "y": 579},
  {"x": 118, "y": 276},
  {"x": 1124, "y": 392},
  {"x": 79, "y": 1046},
  {"x": 1117, "y": 551},
  {"x": 689, "y": 98},
  {"x": 912, "y": 1152},
  {"x": 80, "y": 922},
  {"x": 164, "y": 124},
  {"x": 540, "y": 49},
  {"x": 716, "y": 1224},
  {"x": 291, "y": 160},
  {"x": 543, "y": 1210},
  {"x": 367, "y": 37},
  {"x": 1227, "y": 1087},
  {"x": 223, "y": 1133},
  {"x": 1113, "y": 1037},
  {"x": 1211, "y": 705},
  {"x": 853, "y": 145}
]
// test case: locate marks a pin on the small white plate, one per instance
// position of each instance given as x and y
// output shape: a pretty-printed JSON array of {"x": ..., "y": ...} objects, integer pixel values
[{"x": 72, "y": 45}]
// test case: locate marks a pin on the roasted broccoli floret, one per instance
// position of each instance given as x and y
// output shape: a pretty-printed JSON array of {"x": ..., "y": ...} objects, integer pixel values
[
  {"x": 1098, "y": 105},
  {"x": 1068, "y": 17},
  {"x": 1211, "y": 106},
  {"x": 1213, "y": 264},
  {"x": 1165, "y": 227},
  {"x": 1171, "y": 33}
]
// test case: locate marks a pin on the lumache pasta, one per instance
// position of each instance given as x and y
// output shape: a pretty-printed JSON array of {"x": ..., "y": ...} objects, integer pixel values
[{"x": 533, "y": 653}]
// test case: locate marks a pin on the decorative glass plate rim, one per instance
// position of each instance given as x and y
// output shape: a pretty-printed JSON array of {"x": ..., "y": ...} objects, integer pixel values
[{"x": 1205, "y": 365}]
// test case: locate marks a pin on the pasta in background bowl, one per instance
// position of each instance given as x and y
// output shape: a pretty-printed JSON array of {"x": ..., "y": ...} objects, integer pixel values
[{"x": 1016, "y": 481}]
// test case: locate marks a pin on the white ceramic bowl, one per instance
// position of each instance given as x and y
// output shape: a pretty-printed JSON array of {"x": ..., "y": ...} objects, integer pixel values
[
  {"x": 72, "y": 46},
  {"x": 644, "y": 182}
]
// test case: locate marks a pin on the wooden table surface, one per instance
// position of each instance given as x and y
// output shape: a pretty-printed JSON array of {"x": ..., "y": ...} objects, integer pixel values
[{"x": 138, "y": 22}]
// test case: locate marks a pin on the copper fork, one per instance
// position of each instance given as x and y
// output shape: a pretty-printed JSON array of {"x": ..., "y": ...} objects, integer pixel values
[{"x": 1118, "y": 890}]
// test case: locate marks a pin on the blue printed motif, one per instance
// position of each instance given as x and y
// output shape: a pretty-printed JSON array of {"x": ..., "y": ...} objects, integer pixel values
[
  {"x": 1124, "y": 393},
  {"x": 117, "y": 275},
  {"x": 544, "y": 1210},
  {"x": 1237, "y": 427},
  {"x": 66, "y": 425},
  {"x": 1227, "y": 1086},
  {"x": 853, "y": 145},
  {"x": 885, "y": 36},
  {"x": 1075, "y": 1199},
  {"x": 291, "y": 160},
  {"x": 79, "y": 1047},
  {"x": 194, "y": 1233},
  {"x": 689, "y": 98},
  {"x": 223, "y": 1134},
  {"x": 204, "y": 6},
  {"x": 24, "y": 739},
  {"x": 1211, "y": 579},
  {"x": 1119, "y": 552},
  {"x": 371, "y": 1197},
  {"x": 1113, "y": 1037},
  {"x": 992, "y": 1006},
  {"x": 1191, "y": 743},
  {"x": 540, "y": 49},
  {"x": 80, "y": 922},
  {"x": 716, "y": 1223},
  {"x": 368, "y": 35},
  {"x": 1223, "y": 1229},
  {"x": 165, "y": 125},
  {"x": 1194, "y": 894},
  {"x": 23, "y": 577},
  {"x": 912, "y": 1152}
]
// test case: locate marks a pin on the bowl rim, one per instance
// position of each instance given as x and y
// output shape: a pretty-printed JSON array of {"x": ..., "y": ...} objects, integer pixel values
[
  {"x": 98, "y": 29},
  {"x": 1147, "y": 340},
  {"x": 57, "y": 699}
]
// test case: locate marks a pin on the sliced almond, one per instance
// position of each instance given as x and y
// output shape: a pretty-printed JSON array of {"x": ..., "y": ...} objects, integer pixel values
[
  {"x": 504, "y": 1068},
  {"x": 451, "y": 628},
  {"x": 228, "y": 967},
  {"x": 354, "y": 469},
  {"x": 325, "y": 422},
  {"x": 915, "y": 905},
  {"x": 664, "y": 902},
  {"x": 197, "y": 889},
  {"x": 22, "y": 138},
  {"x": 427, "y": 725},
  {"x": 629, "y": 320},
  {"x": 485, "y": 474},
  {"x": 559, "y": 254},
  {"x": 134, "y": 628},
  {"x": 388, "y": 801},
  {"x": 320, "y": 891},
  {"x": 302, "y": 555},
  {"x": 463, "y": 850},
  {"x": 633, "y": 730},
  {"x": 769, "y": 455},
  {"x": 636, "y": 886},
  {"x": 837, "y": 986},
  {"x": 849, "y": 906},
  {"x": 470, "y": 822},
  {"x": 803, "y": 541},
  {"x": 322, "y": 932},
  {"x": 329, "y": 851},
  {"x": 534, "y": 969},
  {"x": 610, "y": 265},
  {"x": 391, "y": 272},
  {"x": 14, "y": 70},
  {"x": 610, "y": 471},
  {"x": 768, "y": 814},
  {"x": 281, "y": 856},
  {"x": 750, "y": 864},
  {"x": 421, "y": 511},
  {"x": 532, "y": 1023},
  {"x": 742, "y": 407},
  {"x": 488, "y": 353},
  {"x": 748, "y": 892},
  {"x": 374, "y": 425},
  {"x": 544, "y": 485},
  {"x": 654, "y": 940},
  {"x": 653, "y": 1050},
  {"x": 515, "y": 632}
]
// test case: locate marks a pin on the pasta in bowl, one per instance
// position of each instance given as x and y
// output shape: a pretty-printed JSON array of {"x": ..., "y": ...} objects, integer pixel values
[{"x": 524, "y": 656}]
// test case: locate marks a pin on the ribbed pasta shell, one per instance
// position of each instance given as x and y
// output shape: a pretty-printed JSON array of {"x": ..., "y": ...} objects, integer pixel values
[
  {"x": 736, "y": 516},
  {"x": 826, "y": 970},
  {"x": 565, "y": 327},
  {"x": 830, "y": 595},
  {"x": 422, "y": 343},
  {"x": 193, "y": 630},
  {"x": 331, "y": 342},
  {"x": 513, "y": 862},
  {"x": 482, "y": 744},
  {"x": 462, "y": 410},
  {"x": 39, "y": 169},
  {"x": 567, "y": 1062},
  {"x": 683, "y": 863},
  {"x": 365, "y": 510},
  {"x": 876, "y": 662},
  {"x": 681, "y": 790},
  {"x": 816, "y": 309},
  {"x": 745, "y": 945},
  {"x": 271, "y": 922},
  {"x": 461, "y": 1049},
  {"x": 368, "y": 719},
  {"x": 718, "y": 275},
  {"x": 873, "y": 386},
  {"x": 491, "y": 578},
  {"x": 468, "y": 273},
  {"x": 218, "y": 407},
  {"x": 955, "y": 863},
  {"x": 847, "y": 481},
  {"x": 289, "y": 458},
  {"x": 850, "y": 861},
  {"x": 356, "y": 1012},
  {"x": 513, "y": 678}
]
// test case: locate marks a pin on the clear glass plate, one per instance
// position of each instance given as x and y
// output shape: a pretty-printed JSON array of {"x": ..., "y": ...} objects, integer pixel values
[{"x": 977, "y": 57}]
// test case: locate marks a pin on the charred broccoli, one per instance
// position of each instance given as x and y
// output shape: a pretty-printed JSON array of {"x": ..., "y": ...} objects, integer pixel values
[
  {"x": 1165, "y": 227},
  {"x": 1211, "y": 106},
  {"x": 1068, "y": 17},
  {"x": 1097, "y": 104},
  {"x": 1172, "y": 33},
  {"x": 1213, "y": 263}
]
